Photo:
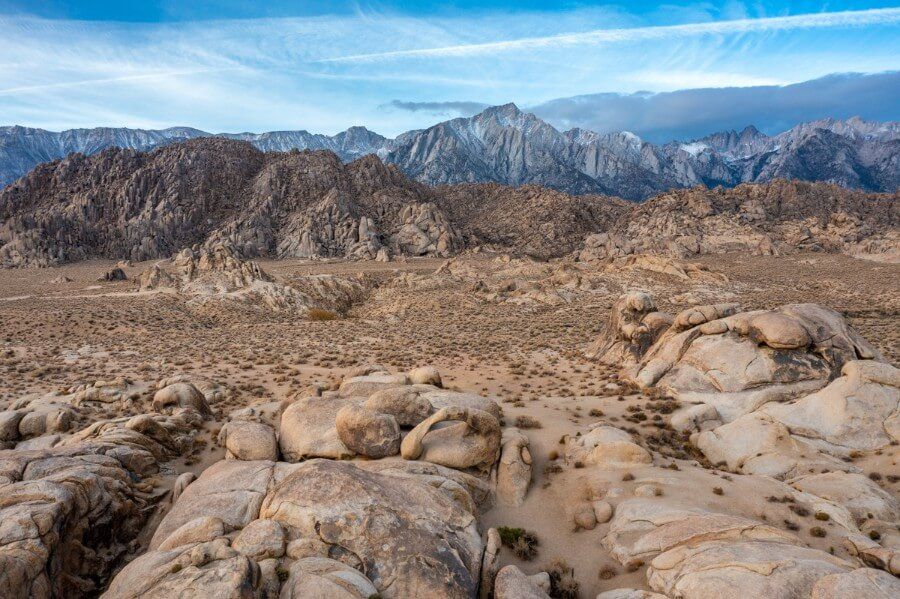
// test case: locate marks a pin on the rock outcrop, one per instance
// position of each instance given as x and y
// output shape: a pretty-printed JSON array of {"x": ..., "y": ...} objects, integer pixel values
[
  {"x": 346, "y": 529},
  {"x": 70, "y": 511}
]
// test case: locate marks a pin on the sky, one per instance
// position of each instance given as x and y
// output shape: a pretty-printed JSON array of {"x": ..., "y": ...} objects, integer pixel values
[{"x": 662, "y": 70}]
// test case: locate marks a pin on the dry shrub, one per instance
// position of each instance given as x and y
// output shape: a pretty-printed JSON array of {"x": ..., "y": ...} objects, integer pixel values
[{"x": 317, "y": 314}]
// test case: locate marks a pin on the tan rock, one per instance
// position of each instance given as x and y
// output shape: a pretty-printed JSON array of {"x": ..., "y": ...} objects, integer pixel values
[
  {"x": 367, "y": 432},
  {"x": 514, "y": 468},
  {"x": 245, "y": 440},
  {"x": 182, "y": 395},
  {"x": 326, "y": 578},
  {"x": 425, "y": 375},
  {"x": 606, "y": 446},
  {"x": 260, "y": 539},
  {"x": 473, "y": 441},
  {"x": 308, "y": 430},
  {"x": 389, "y": 522},
  {"x": 406, "y": 404},
  {"x": 862, "y": 582},
  {"x": 512, "y": 583},
  {"x": 198, "y": 530},
  {"x": 761, "y": 568}
]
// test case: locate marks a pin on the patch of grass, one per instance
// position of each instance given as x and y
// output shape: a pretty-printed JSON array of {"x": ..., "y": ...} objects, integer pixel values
[
  {"x": 523, "y": 543},
  {"x": 562, "y": 581},
  {"x": 527, "y": 422}
]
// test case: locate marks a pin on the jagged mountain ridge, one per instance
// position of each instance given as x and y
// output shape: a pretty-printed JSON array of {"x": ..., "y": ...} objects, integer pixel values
[
  {"x": 309, "y": 204},
  {"x": 23, "y": 148},
  {"x": 506, "y": 145}
]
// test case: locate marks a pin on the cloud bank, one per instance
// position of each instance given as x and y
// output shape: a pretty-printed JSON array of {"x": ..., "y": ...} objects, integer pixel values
[
  {"x": 692, "y": 113},
  {"x": 439, "y": 108}
]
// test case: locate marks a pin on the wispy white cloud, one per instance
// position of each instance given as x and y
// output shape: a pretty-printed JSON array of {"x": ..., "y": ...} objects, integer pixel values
[
  {"x": 637, "y": 34},
  {"x": 263, "y": 74},
  {"x": 40, "y": 87},
  {"x": 670, "y": 80}
]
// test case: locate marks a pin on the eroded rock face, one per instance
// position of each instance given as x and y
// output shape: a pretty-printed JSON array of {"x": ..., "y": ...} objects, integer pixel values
[
  {"x": 353, "y": 531},
  {"x": 634, "y": 325},
  {"x": 739, "y": 361},
  {"x": 56, "y": 506},
  {"x": 854, "y": 413},
  {"x": 760, "y": 568},
  {"x": 68, "y": 512},
  {"x": 332, "y": 501}
]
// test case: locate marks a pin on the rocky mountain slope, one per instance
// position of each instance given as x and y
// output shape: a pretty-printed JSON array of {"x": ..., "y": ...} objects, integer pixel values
[
  {"x": 23, "y": 148},
  {"x": 506, "y": 145},
  {"x": 145, "y": 205}
]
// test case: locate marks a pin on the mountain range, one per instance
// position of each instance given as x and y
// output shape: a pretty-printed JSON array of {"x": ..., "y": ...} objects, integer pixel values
[
  {"x": 504, "y": 144},
  {"x": 124, "y": 203}
]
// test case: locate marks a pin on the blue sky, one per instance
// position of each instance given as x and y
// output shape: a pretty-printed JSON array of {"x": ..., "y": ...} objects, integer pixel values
[{"x": 393, "y": 66}]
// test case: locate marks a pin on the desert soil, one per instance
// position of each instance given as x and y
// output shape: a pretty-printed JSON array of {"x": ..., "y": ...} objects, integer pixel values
[{"x": 61, "y": 328}]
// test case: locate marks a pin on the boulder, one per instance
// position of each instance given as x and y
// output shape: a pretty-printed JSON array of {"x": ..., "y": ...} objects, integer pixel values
[
  {"x": 759, "y": 568},
  {"x": 425, "y": 375},
  {"x": 211, "y": 569},
  {"x": 472, "y": 442},
  {"x": 244, "y": 440},
  {"x": 514, "y": 468},
  {"x": 230, "y": 490},
  {"x": 858, "y": 411},
  {"x": 181, "y": 395},
  {"x": 308, "y": 430},
  {"x": 440, "y": 398},
  {"x": 407, "y": 536},
  {"x": 512, "y": 583},
  {"x": 406, "y": 404},
  {"x": 198, "y": 530},
  {"x": 736, "y": 362},
  {"x": 606, "y": 446},
  {"x": 370, "y": 383},
  {"x": 862, "y": 582},
  {"x": 757, "y": 444},
  {"x": 368, "y": 433},
  {"x": 857, "y": 493}
]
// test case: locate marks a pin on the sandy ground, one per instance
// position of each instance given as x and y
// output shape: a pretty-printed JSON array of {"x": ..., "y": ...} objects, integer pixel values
[{"x": 525, "y": 348}]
